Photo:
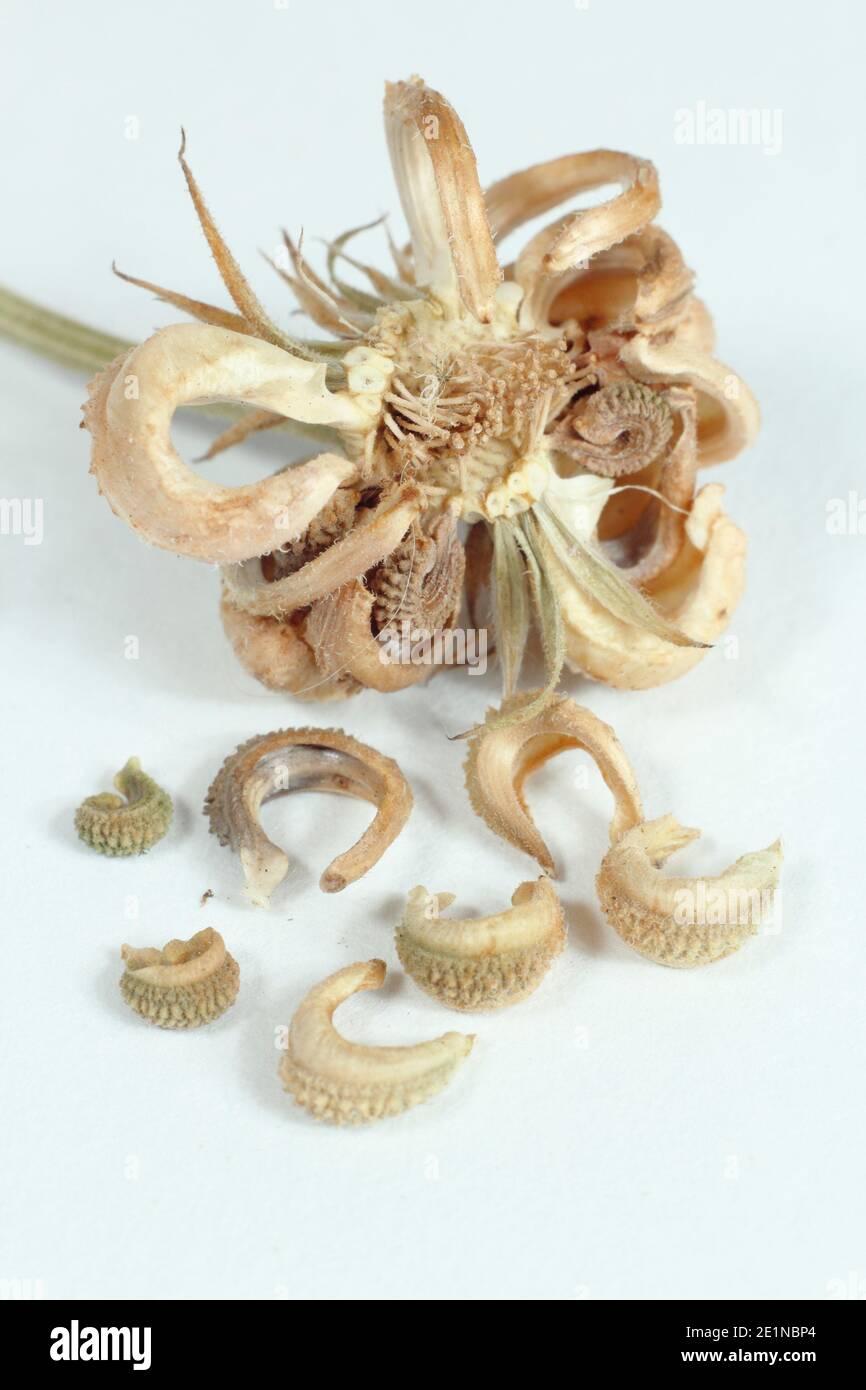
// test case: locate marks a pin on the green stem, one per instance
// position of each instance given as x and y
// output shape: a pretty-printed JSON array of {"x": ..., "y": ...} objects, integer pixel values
[{"x": 88, "y": 350}]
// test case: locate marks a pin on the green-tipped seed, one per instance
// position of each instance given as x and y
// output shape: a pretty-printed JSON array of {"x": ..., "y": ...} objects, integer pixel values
[{"x": 114, "y": 826}]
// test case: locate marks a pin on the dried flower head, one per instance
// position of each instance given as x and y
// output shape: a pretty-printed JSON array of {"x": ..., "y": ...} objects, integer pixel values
[
  {"x": 562, "y": 403},
  {"x": 126, "y": 824},
  {"x": 185, "y": 984}
]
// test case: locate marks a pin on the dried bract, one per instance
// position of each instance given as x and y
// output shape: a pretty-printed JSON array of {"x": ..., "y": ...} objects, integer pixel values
[
  {"x": 185, "y": 984},
  {"x": 481, "y": 962},
  {"x": 127, "y": 824},
  {"x": 347, "y": 1083},
  {"x": 507, "y": 748},
  {"x": 325, "y": 760},
  {"x": 684, "y": 921}
]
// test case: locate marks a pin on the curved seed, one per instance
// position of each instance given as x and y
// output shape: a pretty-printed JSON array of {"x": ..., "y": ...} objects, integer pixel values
[
  {"x": 348, "y": 1083},
  {"x": 481, "y": 962},
  {"x": 114, "y": 826},
  {"x": 304, "y": 760},
  {"x": 683, "y": 921}
]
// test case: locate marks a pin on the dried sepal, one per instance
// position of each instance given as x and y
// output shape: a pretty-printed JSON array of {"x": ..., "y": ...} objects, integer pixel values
[
  {"x": 184, "y": 985},
  {"x": 349, "y": 1083},
  {"x": 290, "y": 760},
  {"x": 481, "y": 963},
  {"x": 131, "y": 823},
  {"x": 683, "y": 921},
  {"x": 695, "y": 596},
  {"x": 502, "y": 755},
  {"x": 145, "y": 481}
]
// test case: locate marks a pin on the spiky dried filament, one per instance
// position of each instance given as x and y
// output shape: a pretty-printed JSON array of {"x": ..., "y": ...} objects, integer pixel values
[
  {"x": 483, "y": 962},
  {"x": 617, "y": 430},
  {"x": 325, "y": 760},
  {"x": 696, "y": 595},
  {"x": 184, "y": 985},
  {"x": 684, "y": 921},
  {"x": 347, "y": 1083},
  {"x": 502, "y": 755},
  {"x": 131, "y": 823}
]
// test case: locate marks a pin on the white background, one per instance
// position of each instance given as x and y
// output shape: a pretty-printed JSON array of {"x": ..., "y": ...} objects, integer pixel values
[{"x": 629, "y": 1132}]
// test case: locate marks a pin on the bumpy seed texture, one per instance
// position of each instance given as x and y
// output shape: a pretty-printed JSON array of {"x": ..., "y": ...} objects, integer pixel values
[
  {"x": 184, "y": 985},
  {"x": 684, "y": 921},
  {"x": 114, "y": 826},
  {"x": 348, "y": 1083},
  {"x": 486, "y": 962}
]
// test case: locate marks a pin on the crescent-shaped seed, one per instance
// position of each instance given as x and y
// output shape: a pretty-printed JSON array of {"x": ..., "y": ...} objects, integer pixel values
[
  {"x": 482, "y": 962},
  {"x": 347, "y": 1083},
  {"x": 185, "y": 984},
  {"x": 114, "y": 826},
  {"x": 304, "y": 760},
  {"x": 502, "y": 755},
  {"x": 684, "y": 921}
]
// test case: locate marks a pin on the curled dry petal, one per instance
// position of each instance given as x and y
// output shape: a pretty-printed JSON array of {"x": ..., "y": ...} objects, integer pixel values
[
  {"x": 501, "y": 756},
  {"x": 481, "y": 962},
  {"x": 185, "y": 984},
  {"x": 147, "y": 484},
  {"x": 683, "y": 921},
  {"x": 128, "y": 824},
  {"x": 550, "y": 258},
  {"x": 367, "y": 543},
  {"x": 728, "y": 415},
  {"x": 348, "y": 1083},
  {"x": 325, "y": 760},
  {"x": 697, "y": 595},
  {"x": 437, "y": 180},
  {"x": 642, "y": 283},
  {"x": 276, "y": 652}
]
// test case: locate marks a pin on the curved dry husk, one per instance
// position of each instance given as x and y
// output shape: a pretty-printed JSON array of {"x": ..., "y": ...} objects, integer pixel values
[
  {"x": 683, "y": 921},
  {"x": 304, "y": 760},
  {"x": 116, "y": 826},
  {"x": 348, "y": 1083},
  {"x": 698, "y": 594},
  {"x": 481, "y": 963},
  {"x": 184, "y": 985},
  {"x": 502, "y": 755}
]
